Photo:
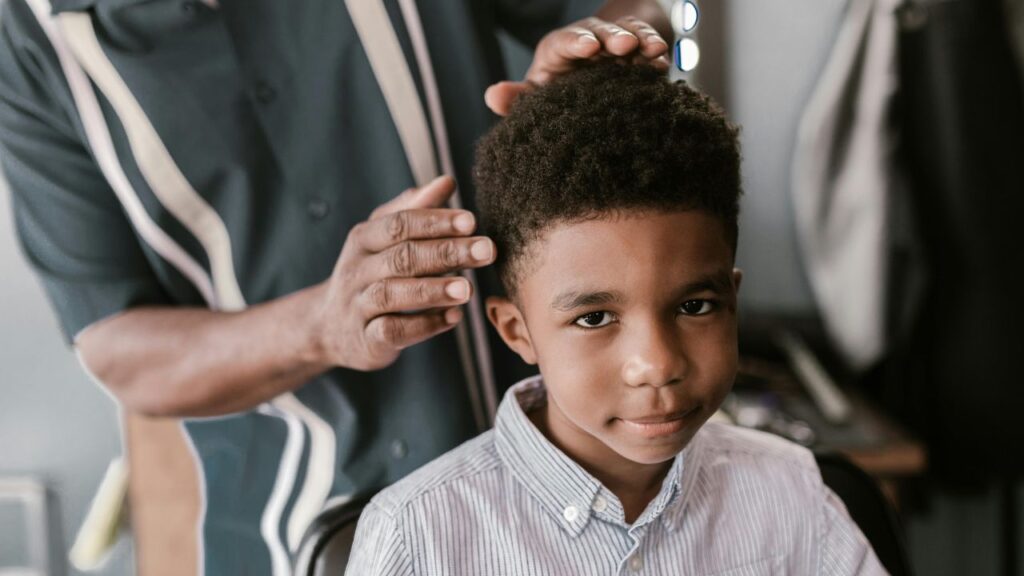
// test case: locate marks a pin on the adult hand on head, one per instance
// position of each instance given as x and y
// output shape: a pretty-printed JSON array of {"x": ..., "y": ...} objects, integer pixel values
[
  {"x": 388, "y": 289},
  {"x": 628, "y": 39}
]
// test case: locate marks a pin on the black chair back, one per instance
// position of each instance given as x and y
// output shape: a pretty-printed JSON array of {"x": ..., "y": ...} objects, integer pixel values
[
  {"x": 869, "y": 508},
  {"x": 327, "y": 544}
]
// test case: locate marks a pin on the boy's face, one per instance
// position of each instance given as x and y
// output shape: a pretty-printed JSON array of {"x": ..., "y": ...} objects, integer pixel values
[{"x": 632, "y": 321}]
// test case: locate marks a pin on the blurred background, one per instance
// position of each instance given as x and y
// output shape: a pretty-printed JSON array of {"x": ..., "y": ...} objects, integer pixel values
[{"x": 883, "y": 147}]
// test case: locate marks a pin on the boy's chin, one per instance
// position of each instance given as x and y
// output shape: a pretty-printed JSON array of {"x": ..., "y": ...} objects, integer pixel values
[
  {"x": 651, "y": 455},
  {"x": 649, "y": 451}
]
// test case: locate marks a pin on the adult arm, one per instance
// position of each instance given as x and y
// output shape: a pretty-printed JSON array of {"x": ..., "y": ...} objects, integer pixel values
[
  {"x": 387, "y": 290},
  {"x": 385, "y": 294}
]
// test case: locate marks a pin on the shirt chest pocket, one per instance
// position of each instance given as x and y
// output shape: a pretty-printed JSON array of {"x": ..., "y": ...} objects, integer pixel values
[{"x": 771, "y": 566}]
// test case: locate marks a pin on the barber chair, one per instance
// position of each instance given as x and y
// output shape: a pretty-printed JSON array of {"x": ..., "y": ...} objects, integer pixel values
[
  {"x": 327, "y": 544},
  {"x": 869, "y": 509}
]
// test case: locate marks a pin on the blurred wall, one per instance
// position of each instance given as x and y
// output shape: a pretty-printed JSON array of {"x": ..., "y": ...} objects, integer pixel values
[
  {"x": 55, "y": 424},
  {"x": 772, "y": 53}
]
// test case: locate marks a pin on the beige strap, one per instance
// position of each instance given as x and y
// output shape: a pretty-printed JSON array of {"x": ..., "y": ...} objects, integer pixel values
[
  {"x": 394, "y": 77},
  {"x": 392, "y": 71}
]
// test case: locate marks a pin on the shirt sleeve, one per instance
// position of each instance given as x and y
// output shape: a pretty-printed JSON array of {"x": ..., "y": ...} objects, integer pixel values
[
  {"x": 844, "y": 548},
  {"x": 529, "y": 20},
  {"x": 70, "y": 225},
  {"x": 379, "y": 547}
]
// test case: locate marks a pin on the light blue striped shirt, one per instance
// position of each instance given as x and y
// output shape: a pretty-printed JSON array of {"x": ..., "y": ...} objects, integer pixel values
[{"x": 735, "y": 502}]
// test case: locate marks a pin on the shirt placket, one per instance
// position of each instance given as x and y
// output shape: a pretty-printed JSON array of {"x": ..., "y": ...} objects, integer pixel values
[{"x": 634, "y": 562}]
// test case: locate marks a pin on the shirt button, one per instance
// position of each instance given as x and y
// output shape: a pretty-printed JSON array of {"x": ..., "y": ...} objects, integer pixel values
[
  {"x": 636, "y": 563},
  {"x": 399, "y": 449},
  {"x": 318, "y": 208},
  {"x": 190, "y": 6},
  {"x": 600, "y": 504},
  {"x": 263, "y": 92},
  {"x": 570, "y": 513}
]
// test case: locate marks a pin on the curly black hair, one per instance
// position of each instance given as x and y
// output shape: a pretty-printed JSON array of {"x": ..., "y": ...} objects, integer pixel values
[{"x": 605, "y": 138}]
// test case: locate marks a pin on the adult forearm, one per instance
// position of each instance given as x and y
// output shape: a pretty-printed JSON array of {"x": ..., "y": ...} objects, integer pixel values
[
  {"x": 649, "y": 11},
  {"x": 389, "y": 290},
  {"x": 197, "y": 362}
]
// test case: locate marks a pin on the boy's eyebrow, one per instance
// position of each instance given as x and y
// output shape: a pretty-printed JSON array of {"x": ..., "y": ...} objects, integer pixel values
[
  {"x": 719, "y": 283},
  {"x": 572, "y": 299}
]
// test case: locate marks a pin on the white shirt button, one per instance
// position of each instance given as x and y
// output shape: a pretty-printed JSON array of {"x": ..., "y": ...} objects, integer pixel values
[
  {"x": 570, "y": 513},
  {"x": 599, "y": 505},
  {"x": 636, "y": 563}
]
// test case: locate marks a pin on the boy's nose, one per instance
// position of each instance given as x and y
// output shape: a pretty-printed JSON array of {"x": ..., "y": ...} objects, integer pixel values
[{"x": 655, "y": 360}]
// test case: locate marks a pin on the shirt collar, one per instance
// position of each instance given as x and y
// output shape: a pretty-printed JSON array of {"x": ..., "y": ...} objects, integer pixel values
[{"x": 561, "y": 486}]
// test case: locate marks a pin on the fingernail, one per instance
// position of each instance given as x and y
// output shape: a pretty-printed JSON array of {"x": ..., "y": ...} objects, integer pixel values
[
  {"x": 656, "y": 38},
  {"x": 587, "y": 39},
  {"x": 627, "y": 32},
  {"x": 452, "y": 315},
  {"x": 433, "y": 183},
  {"x": 481, "y": 250},
  {"x": 464, "y": 223},
  {"x": 458, "y": 290}
]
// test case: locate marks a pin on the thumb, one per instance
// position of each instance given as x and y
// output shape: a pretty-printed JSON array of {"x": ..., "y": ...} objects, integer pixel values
[
  {"x": 434, "y": 194},
  {"x": 500, "y": 97}
]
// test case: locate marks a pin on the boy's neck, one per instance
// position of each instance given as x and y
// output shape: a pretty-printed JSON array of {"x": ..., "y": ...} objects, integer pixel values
[{"x": 634, "y": 484}]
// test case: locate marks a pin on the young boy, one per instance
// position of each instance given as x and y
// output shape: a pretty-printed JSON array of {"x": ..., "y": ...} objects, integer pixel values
[{"x": 612, "y": 197}]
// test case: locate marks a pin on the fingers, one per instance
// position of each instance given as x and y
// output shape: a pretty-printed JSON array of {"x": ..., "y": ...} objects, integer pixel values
[
  {"x": 559, "y": 51},
  {"x": 616, "y": 39},
  {"x": 432, "y": 195},
  {"x": 652, "y": 45},
  {"x": 434, "y": 257},
  {"x": 593, "y": 38},
  {"x": 395, "y": 295},
  {"x": 397, "y": 331},
  {"x": 385, "y": 231},
  {"x": 500, "y": 97},
  {"x": 661, "y": 62}
]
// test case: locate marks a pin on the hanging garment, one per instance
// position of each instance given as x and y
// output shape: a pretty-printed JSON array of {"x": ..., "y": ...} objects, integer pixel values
[
  {"x": 962, "y": 141},
  {"x": 845, "y": 182},
  {"x": 1015, "y": 22}
]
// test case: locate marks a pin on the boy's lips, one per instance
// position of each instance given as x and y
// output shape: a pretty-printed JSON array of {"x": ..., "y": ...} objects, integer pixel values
[{"x": 654, "y": 425}]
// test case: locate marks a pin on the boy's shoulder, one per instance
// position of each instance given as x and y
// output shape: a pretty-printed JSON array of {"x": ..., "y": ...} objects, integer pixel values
[
  {"x": 730, "y": 447},
  {"x": 755, "y": 481},
  {"x": 457, "y": 467}
]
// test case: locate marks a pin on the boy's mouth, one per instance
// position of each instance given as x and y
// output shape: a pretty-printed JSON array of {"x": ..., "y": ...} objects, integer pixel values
[{"x": 655, "y": 425}]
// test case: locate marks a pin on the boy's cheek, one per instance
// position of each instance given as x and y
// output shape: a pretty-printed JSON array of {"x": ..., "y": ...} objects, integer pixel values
[{"x": 582, "y": 384}]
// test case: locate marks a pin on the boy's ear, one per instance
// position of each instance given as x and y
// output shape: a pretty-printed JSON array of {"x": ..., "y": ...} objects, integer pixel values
[
  {"x": 511, "y": 326},
  {"x": 737, "y": 278}
]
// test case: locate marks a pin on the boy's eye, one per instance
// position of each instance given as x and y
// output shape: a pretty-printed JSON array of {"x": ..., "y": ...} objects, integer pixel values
[
  {"x": 594, "y": 320},
  {"x": 696, "y": 307}
]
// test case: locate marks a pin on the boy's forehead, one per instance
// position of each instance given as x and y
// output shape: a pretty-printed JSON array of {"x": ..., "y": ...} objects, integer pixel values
[{"x": 674, "y": 247}]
